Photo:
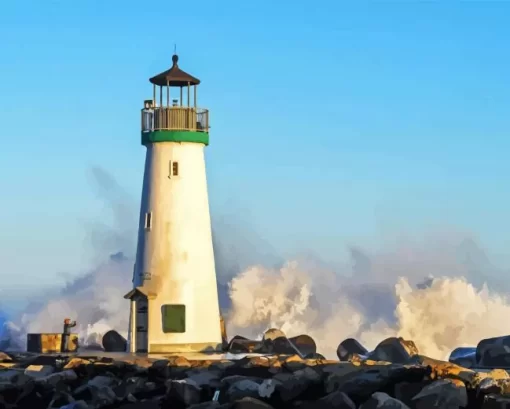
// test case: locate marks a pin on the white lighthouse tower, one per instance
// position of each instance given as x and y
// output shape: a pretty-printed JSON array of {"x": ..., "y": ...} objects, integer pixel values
[{"x": 174, "y": 301}]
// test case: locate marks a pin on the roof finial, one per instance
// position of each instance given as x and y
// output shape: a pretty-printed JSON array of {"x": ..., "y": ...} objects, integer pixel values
[{"x": 175, "y": 58}]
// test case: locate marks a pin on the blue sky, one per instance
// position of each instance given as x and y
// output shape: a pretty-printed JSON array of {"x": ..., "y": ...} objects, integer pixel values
[{"x": 333, "y": 122}]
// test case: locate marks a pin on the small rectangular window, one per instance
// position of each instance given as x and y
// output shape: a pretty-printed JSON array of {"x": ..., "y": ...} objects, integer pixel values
[
  {"x": 175, "y": 168},
  {"x": 148, "y": 220},
  {"x": 174, "y": 318}
]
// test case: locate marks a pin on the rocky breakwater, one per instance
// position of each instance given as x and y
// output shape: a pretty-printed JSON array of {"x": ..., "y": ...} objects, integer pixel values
[{"x": 362, "y": 379}]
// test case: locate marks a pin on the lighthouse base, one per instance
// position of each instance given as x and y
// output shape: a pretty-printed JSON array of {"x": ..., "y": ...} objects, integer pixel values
[{"x": 180, "y": 348}]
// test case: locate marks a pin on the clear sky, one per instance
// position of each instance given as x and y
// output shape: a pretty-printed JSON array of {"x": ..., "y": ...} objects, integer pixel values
[{"x": 333, "y": 122}]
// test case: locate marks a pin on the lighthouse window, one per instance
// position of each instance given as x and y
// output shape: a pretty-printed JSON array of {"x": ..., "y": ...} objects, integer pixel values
[
  {"x": 174, "y": 318},
  {"x": 148, "y": 220},
  {"x": 175, "y": 168}
]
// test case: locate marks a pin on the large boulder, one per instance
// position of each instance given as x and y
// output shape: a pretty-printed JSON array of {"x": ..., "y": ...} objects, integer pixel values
[
  {"x": 304, "y": 383},
  {"x": 239, "y": 345},
  {"x": 488, "y": 343},
  {"x": 495, "y": 356},
  {"x": 182, "y": 392},
  {"x": 114, "y": 342},
  {"x": 282, "y": 346},
  {"x": 241, "y": 389},
  {"x": 443, "y": 394},
  {"x": 305, "y": 345},
  {"x": 349, "y": 347},
  {"x": 395, "y": 350},
  {"x": 360, "y": 382},
  {"x": 464, "y": 356}
]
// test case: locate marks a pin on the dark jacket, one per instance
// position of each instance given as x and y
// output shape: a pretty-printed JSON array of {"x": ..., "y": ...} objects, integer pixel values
[{"x": 67, "y": 327}]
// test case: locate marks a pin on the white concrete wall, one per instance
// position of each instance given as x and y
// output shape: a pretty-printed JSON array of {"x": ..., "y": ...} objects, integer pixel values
[{"x": 178, "y": 251}]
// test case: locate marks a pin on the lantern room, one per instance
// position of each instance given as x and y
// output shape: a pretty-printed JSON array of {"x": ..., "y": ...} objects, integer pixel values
[{"x": 174, "y": 103}]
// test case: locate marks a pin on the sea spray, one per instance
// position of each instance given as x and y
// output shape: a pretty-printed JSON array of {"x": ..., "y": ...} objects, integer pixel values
[
  {"x": 439, "y": 314},
  {"x": 370, "y": 296}
]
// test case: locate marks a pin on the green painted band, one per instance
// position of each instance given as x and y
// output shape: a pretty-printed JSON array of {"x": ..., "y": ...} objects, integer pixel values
[{"x": 175, "y": 136}]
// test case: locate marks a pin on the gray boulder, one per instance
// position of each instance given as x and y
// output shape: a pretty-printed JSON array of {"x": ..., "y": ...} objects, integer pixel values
[
  {"x": 442, "y": 394},
  {"x": 349, "y": 347},
  {"x": 380, "y": 400},
  {"x": 114, "y": 342},
  {"x": 394, "y": 350}
]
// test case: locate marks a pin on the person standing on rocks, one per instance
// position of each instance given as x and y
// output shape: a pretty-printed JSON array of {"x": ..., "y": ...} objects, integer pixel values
[{"x": 67, "y": 334}]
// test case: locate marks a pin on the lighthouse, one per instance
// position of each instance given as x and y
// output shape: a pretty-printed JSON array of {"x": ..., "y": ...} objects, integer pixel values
[{"x": 174, "y": 301}]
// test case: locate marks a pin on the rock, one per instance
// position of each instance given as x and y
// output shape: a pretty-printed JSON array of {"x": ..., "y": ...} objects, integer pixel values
[
  {"x": 228, "y": 381},
  {"x": 496, "y": 402},
  {"x": 293, "y": 363},
  {"x": 490, "y": 386},
  {"x": 76, "y": 362},
  {"x": 394, "y": 350},
  {"x": 359, "y": 360},
  {"x": 444, "y": 393},
  {"x": 496, "y": 381},
  {"x": 205, "y": 378},
  {"x": 482, "y": 380},
  {"x": 127, "y": 388},
  {"x": 239, "y": 346},
  {"x": 305, "y": 345},
  {"x": 178, "y": 361},
  {"x": 349, "y": 347},
  {"x": 102, "y": 395},
  {"x": 304, "y": 381},
  {"x": 114, "y": 342},
  {"x": 337, "y": 374},
  {"x": 465, "y": 357},
  {"x": 489, "y": 343},
  {"x": 406, "y": 391},
  {"x": 360, "y": 385},
  {"x": 183, "y": 391},
  {"x": 283, "y": 346},
  {"x": 249, "y": 403},
  {"x": 11, "y": 376},
  {"x": 39, "y": 371},
  {"x": 265, "y": 361},
  {"x": 100, "y": 381},
  {"x": 272, "y": 334},
  {"x": 236, "y": 343},
  {"x": 443, "y": 369},
  {"x": 241, "y": 389},
  {"x": 65, "y": 376},
  {"x": 380, "y": 400},
  {"x": 334, "y": 400},
  {"x": 5, "y": 357},
  {"x": 244, "y": 367},
  {"x": 267, "y": 388},
  {"x": 496, "y": 356}
]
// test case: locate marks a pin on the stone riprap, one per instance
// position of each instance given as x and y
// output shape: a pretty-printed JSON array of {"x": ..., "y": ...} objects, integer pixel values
[{"x": 393, "y": 375}]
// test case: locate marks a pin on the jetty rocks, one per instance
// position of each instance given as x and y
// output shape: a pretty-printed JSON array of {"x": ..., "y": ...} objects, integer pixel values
[{"x": 394, "y": 375}]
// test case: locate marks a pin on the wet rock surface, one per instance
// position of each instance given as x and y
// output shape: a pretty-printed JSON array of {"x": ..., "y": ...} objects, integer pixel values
[{"x": 393, "y": 375}]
